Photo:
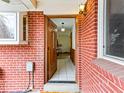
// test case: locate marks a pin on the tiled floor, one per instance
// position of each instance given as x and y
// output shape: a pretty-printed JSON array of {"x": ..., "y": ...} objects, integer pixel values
[{"x": 65, "y": 70}]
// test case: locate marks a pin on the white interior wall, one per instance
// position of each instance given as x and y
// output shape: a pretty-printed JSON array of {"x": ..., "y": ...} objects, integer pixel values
[
  {"x": 74, "y": 36},
  {"x": 64, "y": 39}
]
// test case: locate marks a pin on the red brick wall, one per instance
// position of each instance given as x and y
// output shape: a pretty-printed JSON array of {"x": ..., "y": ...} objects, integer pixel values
[
  {"x": 92, "y": 78},
  {"x": 86, "y": 41},
  {"x": 13, "y": 75}
]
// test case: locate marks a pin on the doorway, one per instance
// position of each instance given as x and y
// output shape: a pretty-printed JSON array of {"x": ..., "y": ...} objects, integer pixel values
[{"x": 60, "y": 65}]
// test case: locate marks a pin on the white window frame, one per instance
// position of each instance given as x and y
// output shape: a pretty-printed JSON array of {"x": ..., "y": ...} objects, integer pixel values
[{"x": 100, "y": 36}]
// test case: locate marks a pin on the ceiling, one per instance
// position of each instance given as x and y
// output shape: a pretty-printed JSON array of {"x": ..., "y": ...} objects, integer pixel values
[
  {"x": 68, "y": 22},
  {"x": 50, "y": 7},
  {"x": 14, "y": 5}
]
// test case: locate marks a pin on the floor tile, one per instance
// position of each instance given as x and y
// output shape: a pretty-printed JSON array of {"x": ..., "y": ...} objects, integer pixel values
[{"x": 65, "y": 70}]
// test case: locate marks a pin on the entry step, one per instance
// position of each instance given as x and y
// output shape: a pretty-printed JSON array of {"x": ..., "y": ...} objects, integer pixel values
[{"x": 61, "y": 87}]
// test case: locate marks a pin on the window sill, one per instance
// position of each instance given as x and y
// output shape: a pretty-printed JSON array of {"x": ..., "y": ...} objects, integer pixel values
[
  {"x": 113, "y": 59},
  {"x": 113, "y": 68}
]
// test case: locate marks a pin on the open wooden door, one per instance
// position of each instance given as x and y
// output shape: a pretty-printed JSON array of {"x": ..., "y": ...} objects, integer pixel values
[{"x": 51, "y": 45}]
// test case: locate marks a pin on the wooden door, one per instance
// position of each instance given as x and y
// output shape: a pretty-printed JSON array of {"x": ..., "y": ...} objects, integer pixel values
[{"x": 51, "y": 49}]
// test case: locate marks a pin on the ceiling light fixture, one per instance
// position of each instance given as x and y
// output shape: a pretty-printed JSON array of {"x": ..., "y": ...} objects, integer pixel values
[{"x": 63, "y": 29}]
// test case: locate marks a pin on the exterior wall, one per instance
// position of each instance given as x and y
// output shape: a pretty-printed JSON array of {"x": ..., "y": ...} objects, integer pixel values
[
  {"x": 92, "y": 78},
  {"x": 13, "y": 58}
]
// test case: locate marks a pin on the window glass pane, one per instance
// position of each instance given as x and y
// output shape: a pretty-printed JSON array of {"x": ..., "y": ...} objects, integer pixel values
[
  {"x": 115, "y": 28},
  {"x": 7, "y": 26}
]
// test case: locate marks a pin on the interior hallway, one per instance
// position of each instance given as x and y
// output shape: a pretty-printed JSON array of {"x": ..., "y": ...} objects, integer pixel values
[{"x": 64, "y": 78}]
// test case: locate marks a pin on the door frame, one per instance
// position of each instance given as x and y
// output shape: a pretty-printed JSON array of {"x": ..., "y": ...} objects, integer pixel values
[
  {"x": 45, "y": 42},
  {"x": 45, "y": 50}
]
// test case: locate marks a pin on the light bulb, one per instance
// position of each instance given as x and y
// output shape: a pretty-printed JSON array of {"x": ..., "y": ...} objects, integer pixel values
[
  {"x": 82, "y": 6},
  {"x": 63, "y": 29}
]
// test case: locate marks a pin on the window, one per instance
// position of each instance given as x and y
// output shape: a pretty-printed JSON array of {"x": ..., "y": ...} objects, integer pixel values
[
  {"x": 114, "y": 36},
  {"x": 111, "y": 30},
  {"x": 8, "y": 28}
]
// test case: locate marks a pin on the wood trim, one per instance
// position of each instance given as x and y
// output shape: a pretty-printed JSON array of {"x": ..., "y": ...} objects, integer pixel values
[
  {"x": 77, "y": 44},
  {"x": 46, "y": 22},
  {"x": 62, "y": 16},
  {"x": 72, "y": 55},
  {"x": 45, "y": 42},
  {"x": 34, "y": 3}
]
